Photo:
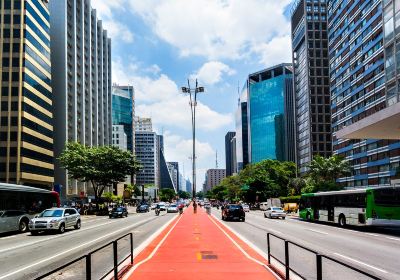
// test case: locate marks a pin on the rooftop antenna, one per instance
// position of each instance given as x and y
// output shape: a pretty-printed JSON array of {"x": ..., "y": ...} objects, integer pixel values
[{"x": 216, "y": 159}]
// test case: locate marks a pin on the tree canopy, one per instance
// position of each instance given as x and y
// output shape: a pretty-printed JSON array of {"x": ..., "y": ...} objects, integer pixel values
[
  {"x": 102, "y": 166},
  {"x": 167, "y": 194}
]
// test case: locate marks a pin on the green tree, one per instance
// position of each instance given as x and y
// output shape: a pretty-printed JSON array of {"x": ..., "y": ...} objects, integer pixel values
[
  {"x": 103, "y": 166},
  {"x": 167, "y": 194},
  {"x": 200, "y": 195},
  {"x": 296, "y": 185},
  {"x": 183, "y": 194},
  {"x": 324, "y": 172}
]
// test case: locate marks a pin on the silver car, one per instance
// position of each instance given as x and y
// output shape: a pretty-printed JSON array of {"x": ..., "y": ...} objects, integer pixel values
[
  {"x": 55, "y": 219},
  {"x": 13, "y": 220},
  {"x": 275, "y": 212}
]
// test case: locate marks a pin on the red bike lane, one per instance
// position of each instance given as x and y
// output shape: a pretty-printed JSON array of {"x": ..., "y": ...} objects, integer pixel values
[{"x": 197, "y": 245}]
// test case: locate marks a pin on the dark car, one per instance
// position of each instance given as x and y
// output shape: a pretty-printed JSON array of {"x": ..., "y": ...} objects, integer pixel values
[
  {"x": 118, "y": 212},
  {"x": 142, "y": 208},
  {"x": 233, "y": 212}
]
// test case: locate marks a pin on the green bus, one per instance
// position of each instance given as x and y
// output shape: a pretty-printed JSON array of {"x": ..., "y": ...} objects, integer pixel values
[{"x": 378, "y": 206}]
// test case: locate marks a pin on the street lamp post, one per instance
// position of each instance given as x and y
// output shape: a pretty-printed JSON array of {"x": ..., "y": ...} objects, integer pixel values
[{"x": 193, "y": 103}]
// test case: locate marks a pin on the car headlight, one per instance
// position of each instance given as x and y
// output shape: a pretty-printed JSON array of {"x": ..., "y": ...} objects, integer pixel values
[
  {"x": 30, "y": 222},
  {"x": 54, "y": 221},
  {"x": 119, "y": 212}
]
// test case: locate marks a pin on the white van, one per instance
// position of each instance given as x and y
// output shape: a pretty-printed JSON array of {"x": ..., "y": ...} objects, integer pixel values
[{"x": 264, "y": 206}]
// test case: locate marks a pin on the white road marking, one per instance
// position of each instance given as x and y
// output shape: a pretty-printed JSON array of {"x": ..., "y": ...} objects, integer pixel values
[
  {"x": 372, "y": 234},
  {"x": 317, "y": 231},
  {"x": 392, "y": 238},
  {"x": 153, "y": 252},
  {"x": 362, "y": 263},
  {"x": 71, "y": 249},
  {"x": 52, "y": 237}
]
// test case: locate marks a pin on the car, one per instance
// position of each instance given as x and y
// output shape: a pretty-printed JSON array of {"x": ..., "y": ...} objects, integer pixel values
[
  {"x": 172, "y": 208},
  {"x": 246, "y": 208},
  {"x": 142, "y": 208},
  {"x": 163, "y": 206},
  {"x": 275, "y": 212},
  {"x": 13, "y": 220},
  {"x": 117, "y": 212},
  {"x": 55, "y": 219},
  {"x": 233, "y": 212},
  {"x": 153, "y": 206}
]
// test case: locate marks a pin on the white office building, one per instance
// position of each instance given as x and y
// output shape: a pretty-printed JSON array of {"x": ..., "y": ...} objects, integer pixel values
[{"x": 81, "y": 81}]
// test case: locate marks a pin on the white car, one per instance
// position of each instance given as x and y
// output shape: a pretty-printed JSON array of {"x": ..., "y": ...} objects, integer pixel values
[
  {"x": 153, "y": 206},
  {"x": 275, "y": 212},
  {"x": 173, "y": 208},
  {"x": 55, "y": 219},
  {"x": 246, "y": 208},
  {"x": 163, "y": 206}
]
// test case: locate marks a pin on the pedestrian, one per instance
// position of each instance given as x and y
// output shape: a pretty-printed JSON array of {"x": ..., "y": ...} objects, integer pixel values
[{"x": 194, "y": 207}]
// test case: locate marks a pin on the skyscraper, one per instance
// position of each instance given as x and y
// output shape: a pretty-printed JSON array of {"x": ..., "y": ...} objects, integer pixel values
[
  {"x": 271, "y": 128},
  {"x": 230, "y": 151},
  {"x": 358, "y": 83},
  {"x": 26, "y": 108},
  {"x": 147, "y": 154},
  {"x": 123, "y": 112},
  {"x": 81, "y": 59},
  {"x": 213, "y": 178},
  {"x": 143, "y": 124},
  {"x": 242, "y": 136},
  {"x": 311, "y": 81},
  {"x": 175, "y": 173}
]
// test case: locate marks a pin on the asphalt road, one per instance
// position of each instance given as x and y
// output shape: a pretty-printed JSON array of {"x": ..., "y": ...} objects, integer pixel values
[
  {"x": 371, "y": 250},
  {"x": 23, "y": 256}
]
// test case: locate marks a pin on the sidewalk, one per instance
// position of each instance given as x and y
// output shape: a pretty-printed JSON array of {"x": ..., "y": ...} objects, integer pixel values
[{"x": 197, "y": 246}]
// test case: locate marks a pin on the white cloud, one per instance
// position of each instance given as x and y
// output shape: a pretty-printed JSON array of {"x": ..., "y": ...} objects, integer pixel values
[
  {"x": 216, "y": 29},
  {"x": 211, "y": 72},
  {"x": 278, "y": 50},
  {"x": 116, "y": 29},
  {"x": 180, "y": 149},
  {"x": 159, "y": 97}
]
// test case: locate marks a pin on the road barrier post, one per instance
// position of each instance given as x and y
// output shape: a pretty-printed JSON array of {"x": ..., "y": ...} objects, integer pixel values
[
  {"x": 88, "y": 266},
  {"x": 287, "y": 260},
  {"x": 319, "y": 266},
  {"x": 131, "y": 238},
  {"x": 269, "y": 249},
  {"x": 115, "y": 250}
]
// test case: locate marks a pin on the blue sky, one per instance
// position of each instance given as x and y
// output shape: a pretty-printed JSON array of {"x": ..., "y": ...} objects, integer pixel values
[{"x": 158, "y": 44}]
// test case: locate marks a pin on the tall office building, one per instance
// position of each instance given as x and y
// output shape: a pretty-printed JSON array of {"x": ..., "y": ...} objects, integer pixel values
[
  {"x": 146, "y": 153},
  {"x": 123, "y": 112},
  {"x": 230, "y": 151},
  {"x": 213, "y": 178},
  {"x": 143, "y": 124},
  {"x": 188, "y": 184},
  {"x": 119, "y": 137},
  {"x": 358, "y": 83},
  {"x": 175, "y": 173},
  {"x": 26, "y": 108},
  {"x": 271, "y": 114},
  {"x": 81, "y": 59},
  {"x": 311, "y": 81},
  {"x": 242, "y": 128}
]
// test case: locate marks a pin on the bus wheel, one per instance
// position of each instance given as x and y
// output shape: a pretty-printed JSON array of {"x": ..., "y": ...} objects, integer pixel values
[
  {"x": 342, "y": 220},
  {"x": 308, "y": 216}
]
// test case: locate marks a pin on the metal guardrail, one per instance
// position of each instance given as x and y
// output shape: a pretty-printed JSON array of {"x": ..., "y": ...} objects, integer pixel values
[
  {"x": 88, "y": 259},
  {"x": 318, "y": 256}
]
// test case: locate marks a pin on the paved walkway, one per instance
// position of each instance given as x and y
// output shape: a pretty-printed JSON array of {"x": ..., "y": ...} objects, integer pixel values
[{"x": 197, "y": 246}]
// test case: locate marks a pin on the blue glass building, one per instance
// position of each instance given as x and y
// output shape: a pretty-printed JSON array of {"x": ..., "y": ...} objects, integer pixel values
[
  {"x": 271, "y": 114},
  {"x": 123, "y": 111}
]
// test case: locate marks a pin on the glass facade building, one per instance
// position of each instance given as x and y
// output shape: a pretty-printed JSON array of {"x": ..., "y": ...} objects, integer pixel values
[
  {"x": 230, "y": 151},
  {"x": 356, "y": 53},
  {"x": 26, "y": 107},
  {"x": 269, "y": 133},
  {"x": 123, "y": 112},
  {"x": 311, "y": 81}
]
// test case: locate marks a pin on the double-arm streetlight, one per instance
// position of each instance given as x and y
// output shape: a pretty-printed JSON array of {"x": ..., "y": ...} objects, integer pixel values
[{"x": 193, "y": 103}]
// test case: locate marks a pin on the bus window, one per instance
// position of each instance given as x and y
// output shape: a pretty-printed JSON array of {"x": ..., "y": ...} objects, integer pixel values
[{"x": 387, "y": 196}]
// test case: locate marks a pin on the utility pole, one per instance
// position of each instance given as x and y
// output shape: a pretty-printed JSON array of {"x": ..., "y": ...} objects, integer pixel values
[{"x": 193, "y": 103}]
